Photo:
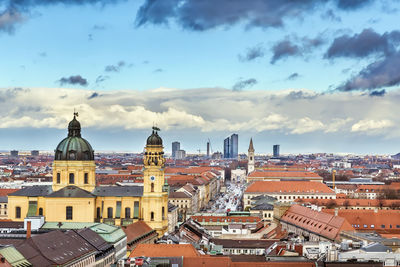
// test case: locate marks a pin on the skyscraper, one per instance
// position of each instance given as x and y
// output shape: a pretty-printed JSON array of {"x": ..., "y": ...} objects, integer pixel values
[
  {"x": 276, "y": 151},
  {"x": 227, "y": 148},
  {"x": 233, "y": 152},
  {"x": 208, "y": 149},
  {"x": 175, "y": 147}
]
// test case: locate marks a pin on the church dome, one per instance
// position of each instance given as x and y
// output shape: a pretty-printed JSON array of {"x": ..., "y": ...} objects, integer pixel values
[
  {"x": 154, "y": 139},
  {"x": 74, "y": 147}
]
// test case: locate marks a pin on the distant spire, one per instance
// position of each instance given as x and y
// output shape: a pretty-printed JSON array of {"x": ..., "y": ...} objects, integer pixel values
[{"x": 251, "y": 148}]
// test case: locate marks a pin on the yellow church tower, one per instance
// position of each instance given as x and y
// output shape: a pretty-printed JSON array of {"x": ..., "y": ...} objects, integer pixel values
[
  {"x": 74, "y": 161},
  {"x": 155, "y": 191}
]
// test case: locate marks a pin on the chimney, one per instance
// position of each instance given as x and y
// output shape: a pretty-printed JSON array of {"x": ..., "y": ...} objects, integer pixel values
[
  {"x": 336, "y": 211},
  {"x": 28, "y": 229}
]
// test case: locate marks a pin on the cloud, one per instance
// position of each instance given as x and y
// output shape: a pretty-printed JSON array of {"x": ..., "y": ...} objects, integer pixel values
[
  {"x": 252, "y": 53},
  {"x": 73, "y": 80},
  {"x": 9, "y": 18},
  {"x": 158, "y": 70},
  {"x": 252, "y": 111},
  {"x": 240, "y": 85},
  {"x": 284, "y": 49},
  {"x": 293, "y": 76},
  {"x": 294, "y": 46},
  {"x": 364, "y": 44},
  {"x": 101, "y": 78},
  {"x": 382, "y": 73},
  {"x": 371, "y": 125},
  {"x": 208, "y": 14},
  {"x": 116, "y": 67},
  {"x": 378, "y": 93}
]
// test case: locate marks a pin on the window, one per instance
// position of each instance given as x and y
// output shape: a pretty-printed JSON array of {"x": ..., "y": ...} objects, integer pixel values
[
  {"x": 163, "y": 213},
  {"x": 127, "y": 212},
  {"x": 109, "y": 212},
  {"x": 382, "y": 226},
  {"x": 17, "y": 212},
  {"x": 41, "y": 211},
  {"x": 152, "y": 187},
  {"x": 86, "y": 178},
  {"x": 58, "y": 177},
  {"x": 136, "y": 209},
  {"x": 71, "y": 178},
  {"x": 68, "y": 213},
  {"x": 152, "y": 216},
  {"x": 98, "y": 213}
]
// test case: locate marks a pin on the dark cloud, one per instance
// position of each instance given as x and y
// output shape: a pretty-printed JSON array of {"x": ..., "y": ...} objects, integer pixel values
[
  {"x": 330, "y": 14},
  {"x": 296, "y": 95},
  {"x": 102, "y": 78},
  {"x": 294, "y": 46},
  {"x": 293, "y": 76},
  {"x": 158, "y": 70},
  {"x": 284, "y": 49},
  {"x": 94, "y": 95},
  {"x": 252, "y": 53},
  {"x": 9, "y": 18},
  {"x": 208, "y": 14},
  {"x": 378, "y": 93},
  {"x": 363, "y": 44},
  {"x": 240, "y": 85},
  {"x": 115, "y": 68},
  {"x": 73, "y": 80},
  {"x": 382, "y": 73}
]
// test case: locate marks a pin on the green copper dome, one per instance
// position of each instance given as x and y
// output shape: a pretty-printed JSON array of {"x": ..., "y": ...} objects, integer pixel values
[
  {"x": 154, "y": 139},
  {"x": 74, "y": 147}
]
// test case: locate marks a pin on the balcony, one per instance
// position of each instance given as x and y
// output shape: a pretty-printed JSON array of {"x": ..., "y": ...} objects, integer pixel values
[
  {"x": 109, "y": 221},
  {"x": 126, "y": 221}
]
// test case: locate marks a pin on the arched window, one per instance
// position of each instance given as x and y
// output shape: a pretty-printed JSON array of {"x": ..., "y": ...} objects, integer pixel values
[
  {"x": 98, "y": 213},
  {"x": 41, "y": 211},
  {"x": 127, "y": 212},
  {"x": 109, "y": 212},
  {"x": 58, "y": 178},
  {"x": 68, "y": 213},
  {"x": 163, "y": 213},
  {"x": 152, "y": 216},
  {"x": 152, "y": 187},
  {"x": 71, "y": 178},
  {"x": 18, "y": 212},
  {"x": 86, "y": 178}
]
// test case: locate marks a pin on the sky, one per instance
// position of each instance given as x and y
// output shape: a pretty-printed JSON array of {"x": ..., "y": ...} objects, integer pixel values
[{"x": 312, "y": 76}]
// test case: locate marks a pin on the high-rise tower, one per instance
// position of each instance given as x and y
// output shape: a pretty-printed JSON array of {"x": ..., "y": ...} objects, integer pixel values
[
  {"x": 155, "y": 189},
  {"x": 250, "y": 163}
]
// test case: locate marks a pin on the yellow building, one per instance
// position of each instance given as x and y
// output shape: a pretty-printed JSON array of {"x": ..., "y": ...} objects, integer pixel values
[{"x": 74, "y": 196}]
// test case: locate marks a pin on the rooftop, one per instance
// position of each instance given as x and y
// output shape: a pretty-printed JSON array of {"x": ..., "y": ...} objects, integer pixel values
[{"x": 288, "y": 187}]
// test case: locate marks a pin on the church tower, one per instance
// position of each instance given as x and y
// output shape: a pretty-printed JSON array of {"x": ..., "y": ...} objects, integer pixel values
[
  {"x": 155, "y": 191},
  {"x": 250, "y": 163},
  {"x": 74, "y": 161}
]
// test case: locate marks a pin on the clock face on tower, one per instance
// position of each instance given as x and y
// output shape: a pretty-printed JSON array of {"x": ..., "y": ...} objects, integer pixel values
[{"x": 152, "y": 178}]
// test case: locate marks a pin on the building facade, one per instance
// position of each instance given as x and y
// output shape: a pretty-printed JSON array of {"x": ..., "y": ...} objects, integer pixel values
[
  {"x": 175, "y": 147},
  {"x": 227, "y": 145},
  {"x": 251, "y": 160},
  {"x": 74, "y": 196},
  {"x": 233, "y": 147},
  {"x": 276, "y": 151}
]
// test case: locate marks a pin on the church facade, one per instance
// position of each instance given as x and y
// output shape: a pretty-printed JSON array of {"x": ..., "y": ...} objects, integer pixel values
[{"x": 74, "y": 196}]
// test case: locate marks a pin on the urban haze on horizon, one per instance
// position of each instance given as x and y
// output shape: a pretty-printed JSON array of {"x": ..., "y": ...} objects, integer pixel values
[{"x": 313, "y": 77}]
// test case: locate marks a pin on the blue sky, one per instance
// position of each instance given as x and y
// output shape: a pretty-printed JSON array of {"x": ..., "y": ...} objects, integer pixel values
[{"x": 99, "y": 47}]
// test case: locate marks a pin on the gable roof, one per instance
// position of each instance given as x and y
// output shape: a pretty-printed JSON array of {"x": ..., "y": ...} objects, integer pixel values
[
  {"x": 137, "y": 230},
  {"x": 320, "y": 223},
  {"x": 118, "y": 191},
  {"x": 71, "y": 191},
  {"x": 33, "y": 191}
]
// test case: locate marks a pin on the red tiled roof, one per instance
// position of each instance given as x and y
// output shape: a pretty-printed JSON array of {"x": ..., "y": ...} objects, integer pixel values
[
  {"x": 4, "y": 192},
  {"x": 164, "y": 250},
  {"x": 136, "y": 230},
  {"x": 284, "y": 174},
  {"x": 288, "y": 187},
  {"x": 370, "y": 219},
  {"x": 321, "y": 223},
  {"x": 354, "y": 202}
]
